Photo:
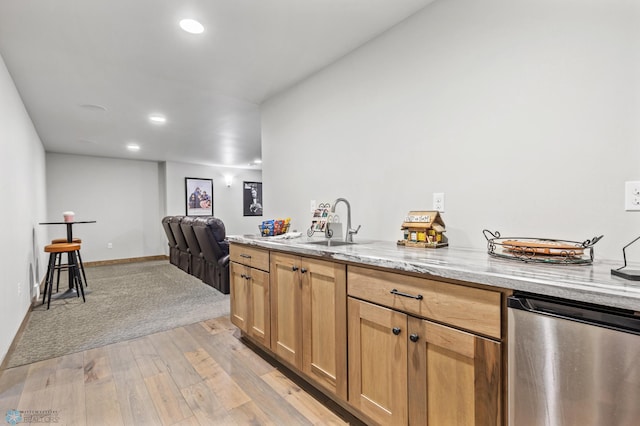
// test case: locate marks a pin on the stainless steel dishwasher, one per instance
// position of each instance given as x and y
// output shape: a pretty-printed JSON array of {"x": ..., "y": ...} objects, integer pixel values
[{"x": 572, "y": 363}]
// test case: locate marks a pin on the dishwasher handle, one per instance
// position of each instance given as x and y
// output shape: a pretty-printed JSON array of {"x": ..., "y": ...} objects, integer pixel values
[{"x": 602, "y": 316}]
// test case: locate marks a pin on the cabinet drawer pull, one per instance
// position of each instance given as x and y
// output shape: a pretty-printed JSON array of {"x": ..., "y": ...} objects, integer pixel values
[
  {"x": 294, "y": 268},
  {"x": 247, "y": 277},
  {"x": 303, "y": 270},
  {"x": 246, "y": 256},
  {"x": 413, "y": 337},
  {"x": 395, "y": 330},
  {"x": 398, "y": 293},
  {"x": 243, "y": 276}
]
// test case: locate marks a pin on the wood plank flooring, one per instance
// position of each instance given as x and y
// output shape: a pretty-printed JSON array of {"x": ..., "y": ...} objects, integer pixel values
[{"x": 200, "y": 374}]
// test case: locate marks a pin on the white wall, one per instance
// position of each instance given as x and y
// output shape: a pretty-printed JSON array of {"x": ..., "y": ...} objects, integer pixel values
[
  {"x": 227, "y": 201},
  {"x": 524, "y": 113},
  {"x": 123, "y": 196},
  {"x": 129, "y": 198},
  {"x": 22, "y": 191}
]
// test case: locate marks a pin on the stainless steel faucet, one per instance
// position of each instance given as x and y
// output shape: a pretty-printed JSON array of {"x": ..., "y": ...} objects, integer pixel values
[{"x": 350, "y": 231}]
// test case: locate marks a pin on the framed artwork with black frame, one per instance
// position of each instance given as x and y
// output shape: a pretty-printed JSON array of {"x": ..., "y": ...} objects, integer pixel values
[
  {"x": 199, "y": 196},
  {"x": 252, "y": 198}
]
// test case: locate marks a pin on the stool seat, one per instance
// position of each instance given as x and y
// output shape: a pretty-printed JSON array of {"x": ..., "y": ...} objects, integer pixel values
[
  {"x": 56, "y": 251},
  {"x": 64, "y": 240},
  {"x": 62, "y": 248},
  {"x": 75, "y": 240}
]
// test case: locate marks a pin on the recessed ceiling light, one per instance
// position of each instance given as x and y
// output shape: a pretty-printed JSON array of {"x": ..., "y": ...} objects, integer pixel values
[
  {"x": 94, "y": 107},
  {"x": 157, "y": 118},
  {"x": 192, "y": 26},
  {"x": 133, "y": 147}
]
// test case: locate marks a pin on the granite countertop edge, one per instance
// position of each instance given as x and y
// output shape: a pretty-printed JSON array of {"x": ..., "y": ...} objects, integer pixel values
[{"x": 591, "y": 283}]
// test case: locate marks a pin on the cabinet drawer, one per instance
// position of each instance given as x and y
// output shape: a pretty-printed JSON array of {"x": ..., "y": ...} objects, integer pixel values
[
  {"x": 464, "y": 307},
  {"x": 250, "y": 256}
]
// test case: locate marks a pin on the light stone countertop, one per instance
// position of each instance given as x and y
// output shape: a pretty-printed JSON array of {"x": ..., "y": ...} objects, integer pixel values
[{"x": 591, "y": 283}]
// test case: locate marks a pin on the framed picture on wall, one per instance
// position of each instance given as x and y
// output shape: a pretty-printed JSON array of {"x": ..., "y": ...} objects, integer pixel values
[
  {"x": 199, "y": 196},
  {"x": 252, "y": 198}
]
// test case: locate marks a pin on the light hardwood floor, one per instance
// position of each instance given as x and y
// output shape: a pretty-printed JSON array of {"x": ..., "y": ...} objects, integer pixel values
[{"x": 200, "y": 374}]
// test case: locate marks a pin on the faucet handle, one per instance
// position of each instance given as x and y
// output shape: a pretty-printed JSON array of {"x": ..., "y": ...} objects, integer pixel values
[{"x": 355, "y": 231}]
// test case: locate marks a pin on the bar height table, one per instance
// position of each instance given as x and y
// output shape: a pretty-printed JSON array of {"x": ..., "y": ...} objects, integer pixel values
[{"x": 71, "y": 291}]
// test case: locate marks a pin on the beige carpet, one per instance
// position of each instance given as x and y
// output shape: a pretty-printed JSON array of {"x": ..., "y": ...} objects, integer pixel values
[{"x": 125, "y": 301}]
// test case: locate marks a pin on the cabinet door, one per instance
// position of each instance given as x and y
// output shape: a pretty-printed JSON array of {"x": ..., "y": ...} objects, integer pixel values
[
  {"x": 238, "y": 295},
  {"x": 259, "y": 325},
  {"x": 286, "y": 309},
  {"x": 378, "y": 362},
  {"x": 324, "y": 315},
  {"x": 454, "y": 376}
]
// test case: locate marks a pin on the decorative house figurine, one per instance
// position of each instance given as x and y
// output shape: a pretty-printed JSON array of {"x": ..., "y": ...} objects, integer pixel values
[{"x": 423, "y": 229}]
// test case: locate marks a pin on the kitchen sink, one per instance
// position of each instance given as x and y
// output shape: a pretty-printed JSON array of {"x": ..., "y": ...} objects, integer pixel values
[{"x": 330, "y": 243}]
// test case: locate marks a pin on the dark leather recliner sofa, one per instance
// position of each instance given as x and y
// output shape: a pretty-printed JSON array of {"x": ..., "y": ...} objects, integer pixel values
[
  {"x": 197, "y": 260},
  {"x": 198, "y": 247},
  {"x": 184, "y": 257},
  {"x": 174, "y": 253},
  {"x": 211, "y": 234}
]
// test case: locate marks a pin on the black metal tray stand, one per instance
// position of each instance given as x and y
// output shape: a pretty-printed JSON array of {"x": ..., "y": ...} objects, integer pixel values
[{"x": 541, "y": 250}]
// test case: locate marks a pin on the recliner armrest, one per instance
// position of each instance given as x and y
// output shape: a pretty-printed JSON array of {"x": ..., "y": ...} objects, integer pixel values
[{"x": 224, "y": 261}]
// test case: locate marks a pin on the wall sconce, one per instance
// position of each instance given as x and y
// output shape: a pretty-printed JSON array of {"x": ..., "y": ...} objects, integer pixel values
[{"x": 228, "y": 179}]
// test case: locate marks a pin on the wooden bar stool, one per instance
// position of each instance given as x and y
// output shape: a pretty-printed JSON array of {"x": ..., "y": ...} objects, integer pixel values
[
  {"x": 71, "y": 249},
  {"x": 64, "y": 241}
]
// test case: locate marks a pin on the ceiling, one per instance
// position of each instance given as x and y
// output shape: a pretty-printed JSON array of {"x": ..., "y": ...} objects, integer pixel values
[{"x": 91, "y": 72}]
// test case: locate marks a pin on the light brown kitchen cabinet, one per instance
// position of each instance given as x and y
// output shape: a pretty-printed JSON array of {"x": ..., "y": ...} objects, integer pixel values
[
  {"x": 249, "y": 292},
  {"x": 407, "y": 370},
  {"x": 423, "y": 352},
  {"x": 453, "y": 376},
  {"x": 378, "y": 362},
  {"x": 308, "y": 317},
  {"x": 393, "y": 348}
]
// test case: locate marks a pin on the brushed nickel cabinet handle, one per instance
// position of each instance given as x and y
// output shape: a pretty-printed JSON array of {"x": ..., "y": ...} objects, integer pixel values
[{"x": 411, "y": 296}]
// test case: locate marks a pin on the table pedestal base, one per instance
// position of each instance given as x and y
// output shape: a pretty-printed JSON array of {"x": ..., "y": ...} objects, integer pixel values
[{"x": 69, "y": 293}]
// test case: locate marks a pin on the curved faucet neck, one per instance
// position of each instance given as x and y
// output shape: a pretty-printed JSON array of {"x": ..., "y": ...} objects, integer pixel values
[
  {"x": 344, "y": 200},
  {"x": 348, "y": 236},
  {"x": 335, "y": 203}
]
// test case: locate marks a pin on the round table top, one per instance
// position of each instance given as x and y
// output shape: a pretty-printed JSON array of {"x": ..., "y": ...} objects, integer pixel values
[{"x": 67, "y": 223}]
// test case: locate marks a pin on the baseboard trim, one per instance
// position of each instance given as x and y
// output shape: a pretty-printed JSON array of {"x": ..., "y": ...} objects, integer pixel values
[
  {"x": 14, "y": 342},
  {"x": 126, "y": 260}
]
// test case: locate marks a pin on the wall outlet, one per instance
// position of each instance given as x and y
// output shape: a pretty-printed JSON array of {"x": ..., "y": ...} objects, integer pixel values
[
  {"x": 438, "y": 201},
  {"x": 632, "y": 196},
  {"x": 314, "y": 206},
  {"x": 19, "y": 289},
  {"x": 109, "y": 245}
]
